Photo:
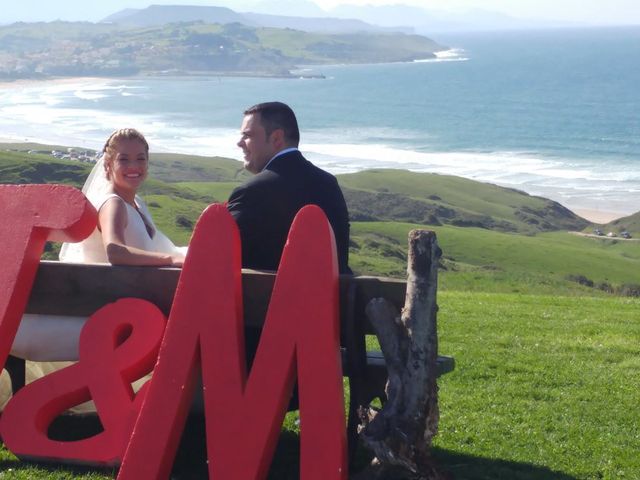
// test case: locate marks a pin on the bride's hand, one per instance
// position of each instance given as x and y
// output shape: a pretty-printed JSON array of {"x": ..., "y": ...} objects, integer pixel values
[{"x": 177, "y": 260}]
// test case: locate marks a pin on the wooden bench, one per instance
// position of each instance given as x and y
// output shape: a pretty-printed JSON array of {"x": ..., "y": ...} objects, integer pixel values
[{"x": 73, "y": 289}]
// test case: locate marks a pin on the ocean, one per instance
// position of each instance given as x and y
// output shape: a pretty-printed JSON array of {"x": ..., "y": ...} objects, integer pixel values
[{"x": 554, "y": 113}]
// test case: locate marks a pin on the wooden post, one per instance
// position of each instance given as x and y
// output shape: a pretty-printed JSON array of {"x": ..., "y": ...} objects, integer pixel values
[{"x": 400, "y": 434}]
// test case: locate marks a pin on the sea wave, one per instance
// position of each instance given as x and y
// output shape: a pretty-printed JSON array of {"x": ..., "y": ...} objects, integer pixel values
[
  {"x": 451, "y": 55},
  {"x": 89, "y": 95},
  {"x": 518, "y": 167},
  {"x": 577, "y": 186}
]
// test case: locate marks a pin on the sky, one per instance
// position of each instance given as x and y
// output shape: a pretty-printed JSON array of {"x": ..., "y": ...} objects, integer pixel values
[
  {"x": 596, "y": 12},
  {"x": 565, "y": 10}
]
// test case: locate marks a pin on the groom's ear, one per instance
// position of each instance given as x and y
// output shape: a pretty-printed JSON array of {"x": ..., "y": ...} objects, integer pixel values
[{"x": 278, "y": 139}]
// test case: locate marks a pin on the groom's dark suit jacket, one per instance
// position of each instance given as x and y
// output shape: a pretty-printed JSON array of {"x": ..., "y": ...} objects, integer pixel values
[{"x": 264, "y": 208}]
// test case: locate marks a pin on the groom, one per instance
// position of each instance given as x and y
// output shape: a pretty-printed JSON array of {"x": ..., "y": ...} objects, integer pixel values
[{"x": 284, "y": 182}]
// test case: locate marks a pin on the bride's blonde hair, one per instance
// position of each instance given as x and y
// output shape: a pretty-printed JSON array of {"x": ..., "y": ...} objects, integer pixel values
[{"x": 123, "y": 134}]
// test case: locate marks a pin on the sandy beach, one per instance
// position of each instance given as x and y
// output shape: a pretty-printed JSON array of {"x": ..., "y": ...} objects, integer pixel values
[
  {"x": 598, "y": 216},
  {"x": 32, "y": 82}
]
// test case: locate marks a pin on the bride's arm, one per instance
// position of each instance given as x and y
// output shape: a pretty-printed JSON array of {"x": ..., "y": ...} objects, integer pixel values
[{"x": 113, "y": 221}]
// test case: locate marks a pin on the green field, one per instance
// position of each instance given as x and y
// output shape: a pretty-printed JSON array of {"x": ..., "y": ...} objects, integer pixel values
[
  {"x": 547, "y": 367},
  {"x": 545, "y": 387},
  {"x": 484, "y": 260}
]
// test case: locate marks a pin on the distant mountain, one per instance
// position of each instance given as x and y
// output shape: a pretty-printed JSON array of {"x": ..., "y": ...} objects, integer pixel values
[
  {"x": 428, "y": 21},
  {"x": 320, "y": 25},
  {"x": 296, "y": 8},
  {"x": 122, "y": 14},
  {"x": 163, "y": 14},
  {"x": 156, "y": 15},
  {"x": 385, "y": 15}
]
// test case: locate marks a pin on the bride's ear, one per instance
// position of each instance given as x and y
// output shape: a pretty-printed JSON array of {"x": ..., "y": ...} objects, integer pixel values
[{"x": 107, "y": 168}]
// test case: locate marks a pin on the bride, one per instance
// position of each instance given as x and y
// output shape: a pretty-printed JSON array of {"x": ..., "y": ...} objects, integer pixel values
[{"x": 125, "y": 235}]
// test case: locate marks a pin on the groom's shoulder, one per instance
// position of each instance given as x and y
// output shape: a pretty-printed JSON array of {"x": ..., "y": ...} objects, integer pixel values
[
  {"x": 261, "y": 180},
  {"x": 265, "y": 180}
]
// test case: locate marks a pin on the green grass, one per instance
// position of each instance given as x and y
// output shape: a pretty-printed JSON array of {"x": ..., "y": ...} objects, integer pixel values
[
  {"x": 167, "y": 212},
  {"x": 22, "y": 167},
  {"x": 11, "y": 469},
  {"x": 493, "y": 200},
  {"x": 543, "y": 383},
  {"x": 213, "y": 191},
  {"x": 172, "y": 167},
  {"x": 483, "y": 260},
  {"x": 545, "y": 387}
]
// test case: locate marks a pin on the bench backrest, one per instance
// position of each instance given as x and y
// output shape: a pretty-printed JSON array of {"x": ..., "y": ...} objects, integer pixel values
[{"x": 78, "y": 289}]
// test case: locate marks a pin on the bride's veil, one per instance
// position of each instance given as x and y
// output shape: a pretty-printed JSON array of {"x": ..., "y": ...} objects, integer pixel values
[
  {"x": 97, "y": 185},
  {"x": 95, "y": 188}
]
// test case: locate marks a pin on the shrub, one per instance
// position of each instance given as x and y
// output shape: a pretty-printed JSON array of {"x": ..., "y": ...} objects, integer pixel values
[
  {"x": 629, "y": 290},
  {"x": 581, "y": 279},
  {"x": 605, "y": 287},
  {"x": 184, "y": 222}
]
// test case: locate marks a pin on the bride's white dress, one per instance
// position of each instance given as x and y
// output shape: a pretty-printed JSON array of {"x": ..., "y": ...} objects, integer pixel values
[
  {"x": 91, "y": 250},
  {"x": 50, "y": 343}
]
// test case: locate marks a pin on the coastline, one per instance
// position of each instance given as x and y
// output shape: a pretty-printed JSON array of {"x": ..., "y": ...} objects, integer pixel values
[
  {"x": 54, "y": 80},
  {"x": 34, "y": 82},
  {"x": 447, "y": 54}
]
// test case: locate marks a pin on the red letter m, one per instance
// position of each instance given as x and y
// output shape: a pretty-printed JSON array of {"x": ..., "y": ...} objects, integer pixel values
[{"x": 300, "y": 337}]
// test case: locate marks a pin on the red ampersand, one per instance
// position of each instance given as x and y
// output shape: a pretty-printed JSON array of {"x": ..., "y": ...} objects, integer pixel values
[{"x": 118, "y": 345}]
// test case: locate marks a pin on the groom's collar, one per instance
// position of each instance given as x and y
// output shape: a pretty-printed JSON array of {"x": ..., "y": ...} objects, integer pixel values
[{"x": 279, "y": 154}]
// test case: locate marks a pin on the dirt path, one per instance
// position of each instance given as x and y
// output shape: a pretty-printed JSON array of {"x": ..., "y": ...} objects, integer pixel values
[{"x": 604, "y": 237}]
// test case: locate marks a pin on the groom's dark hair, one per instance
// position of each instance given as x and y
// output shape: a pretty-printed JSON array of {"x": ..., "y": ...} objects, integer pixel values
[{"x": 277, "y": 115}]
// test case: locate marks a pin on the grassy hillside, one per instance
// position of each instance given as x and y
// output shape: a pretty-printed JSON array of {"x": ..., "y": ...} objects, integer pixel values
[
  {"x": 214, "y": 191},
  {"x": 17, "y": 165},
  {"x": 82, "y": 48},
  {"x": 172, "y": 167},
  {"x": 320, "y": 48},
  {"x": 630, "y": 224},
  {"x": 482, "y": 260},
  {"x": 22, "y": 167},
  {"x": 443, "y": 199}
]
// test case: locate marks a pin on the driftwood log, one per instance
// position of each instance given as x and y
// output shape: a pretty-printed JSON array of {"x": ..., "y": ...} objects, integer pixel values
[{"x": 400, "y": 434}]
